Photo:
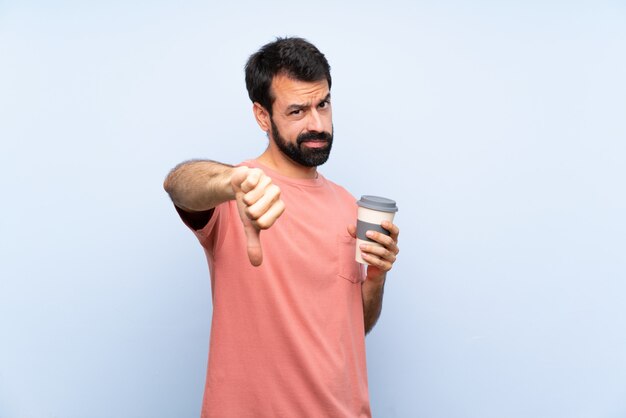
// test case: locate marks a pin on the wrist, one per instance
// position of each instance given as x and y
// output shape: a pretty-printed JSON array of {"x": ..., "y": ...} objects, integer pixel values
[
  {"x": 227, "y": 184},
  {"x": 376, "y": 280}
]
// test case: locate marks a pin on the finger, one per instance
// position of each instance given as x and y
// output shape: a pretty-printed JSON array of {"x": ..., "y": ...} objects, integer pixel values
[
  {"x": 378, "y": 262},
  {"x": 270, "y": 216},
  {"x": 256, "y": 193},
  {"x": 380, "y": 252},
  {"x": 251, "y": 180},
  {"x": 253, "y": 238},
  {"x": 393, "y": 229},
  {"x": 386, "y": 241},
  {"x": 352, "y": 230},
  {"x": 260, "y": 207}
]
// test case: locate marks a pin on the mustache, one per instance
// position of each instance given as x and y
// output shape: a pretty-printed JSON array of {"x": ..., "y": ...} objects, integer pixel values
[{"x": 309, "y": 136}]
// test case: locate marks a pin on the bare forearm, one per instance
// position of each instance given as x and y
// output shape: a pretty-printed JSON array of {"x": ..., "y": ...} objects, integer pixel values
[
  {"x": 199, "y": 185},
  {"x": 372, "y": 293}
]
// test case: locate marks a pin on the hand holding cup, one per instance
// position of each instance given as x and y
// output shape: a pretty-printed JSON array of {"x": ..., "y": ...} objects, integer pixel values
[{"x": 373, "y": 211}]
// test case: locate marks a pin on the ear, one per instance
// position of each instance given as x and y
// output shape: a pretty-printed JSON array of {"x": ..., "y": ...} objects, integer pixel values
[{"x": 262, "y": 117}]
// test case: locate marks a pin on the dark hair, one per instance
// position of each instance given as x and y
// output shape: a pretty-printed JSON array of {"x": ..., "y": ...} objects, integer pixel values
[{"x": 295, "y": 57}]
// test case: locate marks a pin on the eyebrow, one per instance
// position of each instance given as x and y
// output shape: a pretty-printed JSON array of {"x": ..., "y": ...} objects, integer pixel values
[{"x": 293, "y": 107}]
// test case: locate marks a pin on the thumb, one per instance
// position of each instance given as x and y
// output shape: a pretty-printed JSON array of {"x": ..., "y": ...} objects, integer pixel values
[
  {"x": 253, "y": 234},
  {"x": 253, "y": 237}
]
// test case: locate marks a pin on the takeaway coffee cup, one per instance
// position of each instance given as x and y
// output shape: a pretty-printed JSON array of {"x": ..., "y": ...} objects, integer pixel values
[{"x": 373, "y": 210}]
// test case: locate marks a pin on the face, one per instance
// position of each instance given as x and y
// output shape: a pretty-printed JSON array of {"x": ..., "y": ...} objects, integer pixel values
[
  {"x": 301, "y": 125},
  {"x": 310, "y": 148}
]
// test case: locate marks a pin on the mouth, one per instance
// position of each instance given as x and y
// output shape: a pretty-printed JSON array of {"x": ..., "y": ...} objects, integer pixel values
[{"x": 315, "y": 143}]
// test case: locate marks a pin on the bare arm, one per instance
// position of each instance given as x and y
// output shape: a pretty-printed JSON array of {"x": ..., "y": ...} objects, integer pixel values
[
  {"x": 372, "y": 293},
  {"x": 380, "y": 260},
  {"x": 197, "y": 186}
]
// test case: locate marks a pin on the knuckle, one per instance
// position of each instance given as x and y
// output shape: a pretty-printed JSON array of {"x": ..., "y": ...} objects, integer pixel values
[
  {"x": 265, "y": 181},
  {"x": 254, "y": 176},
  {"x": 263, "y": 223},
  {"x": 273, "y": 190},
  {"x": 252, "y": 214},
  {"x": 281, "y": 207},
  {"x": 248, "y": 199}
]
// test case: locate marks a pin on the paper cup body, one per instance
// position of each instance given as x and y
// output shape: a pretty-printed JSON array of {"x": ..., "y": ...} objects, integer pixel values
[{"x": 372, "y": 211}]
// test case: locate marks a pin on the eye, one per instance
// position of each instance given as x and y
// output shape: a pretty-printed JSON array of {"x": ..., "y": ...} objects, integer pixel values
[
  {"x": 324, "y": 104},
  {"x": 295, "y": 112}
]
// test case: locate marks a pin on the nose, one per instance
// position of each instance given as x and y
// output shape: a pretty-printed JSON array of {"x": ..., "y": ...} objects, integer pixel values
[{"x": 314, "y": 122}]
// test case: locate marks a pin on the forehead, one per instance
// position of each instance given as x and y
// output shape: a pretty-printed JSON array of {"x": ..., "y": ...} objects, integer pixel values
[{"x": 287, "y": 91}]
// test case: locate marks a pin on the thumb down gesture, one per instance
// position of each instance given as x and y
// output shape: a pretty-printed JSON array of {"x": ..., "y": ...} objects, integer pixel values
[{"x": 259, "y": 204}]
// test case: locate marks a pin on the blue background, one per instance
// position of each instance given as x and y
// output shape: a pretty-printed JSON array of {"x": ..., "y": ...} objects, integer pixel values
[{"x": 499, "y": 127}]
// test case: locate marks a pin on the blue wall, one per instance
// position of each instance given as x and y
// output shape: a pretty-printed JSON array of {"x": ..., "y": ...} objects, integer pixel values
[{"x": 499, "y": 128}]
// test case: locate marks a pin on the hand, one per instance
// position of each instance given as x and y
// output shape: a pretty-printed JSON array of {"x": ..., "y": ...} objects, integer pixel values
[
  {"x": 380, "y": 259},
  {"x": 259, "y": 204}
]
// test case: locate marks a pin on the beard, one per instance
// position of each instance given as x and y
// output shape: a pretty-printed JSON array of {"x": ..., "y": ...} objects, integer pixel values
[{"x": 308, "y": 157}]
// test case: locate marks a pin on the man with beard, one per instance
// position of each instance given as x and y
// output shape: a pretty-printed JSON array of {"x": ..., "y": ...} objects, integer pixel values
[{"x": 289, "y": 315}]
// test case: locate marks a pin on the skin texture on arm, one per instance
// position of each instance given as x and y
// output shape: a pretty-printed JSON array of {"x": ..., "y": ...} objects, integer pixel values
[
  {"x": 197, "y": 186},
  {"x": 372, "y": 293},
  {"x": 380, "y": 261}
]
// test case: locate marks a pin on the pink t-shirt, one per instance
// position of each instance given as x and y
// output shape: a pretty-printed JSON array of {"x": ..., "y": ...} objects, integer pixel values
[{"x": 287, "y": 338}]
